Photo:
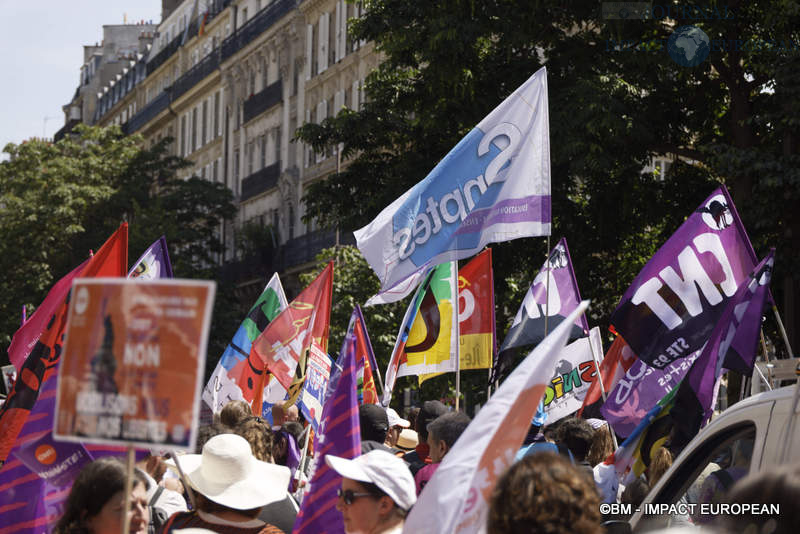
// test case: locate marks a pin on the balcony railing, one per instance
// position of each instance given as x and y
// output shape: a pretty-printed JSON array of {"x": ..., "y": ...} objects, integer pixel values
[
  {"x": 263, "y": 100},
  {"x": 159, "y": 59},
  {"x": 254, "y": 27},
  {"x": 261, "y": 181},
  {"x": 195, "y": 75},
  {"x": 148, "y": 113}
]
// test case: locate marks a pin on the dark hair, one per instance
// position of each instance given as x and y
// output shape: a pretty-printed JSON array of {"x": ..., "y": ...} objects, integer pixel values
[
  {"x": 412, "y": 417},
  {"x": 430, "y": 410},
  {"x": 259, "y": 435},
  {"x": 295, "y": 429},
  {"x": 206, "y": 432},
  {"x": 577, "y": 435},
  {"x": 93, "y": 487},
  {"x": 449, "y": 427},
  {"x": 234, "y": 413},
  {"x": 210, "y": 507},
  {"x": 635, "y": 492},
  {"x": 280, "y": 448},
  {"x": 544, "y": 493}
]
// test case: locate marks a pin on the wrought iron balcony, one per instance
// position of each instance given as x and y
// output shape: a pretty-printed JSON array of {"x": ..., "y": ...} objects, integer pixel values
[
  {"x": 195, "y": 75},
  {"x": 261, "y": 181},
  {"x": 148, "y": 113},
  {"x": 303, "y": 249},
  {"x": 263, "y": 100},
  {"x": 254, "y": 27}
]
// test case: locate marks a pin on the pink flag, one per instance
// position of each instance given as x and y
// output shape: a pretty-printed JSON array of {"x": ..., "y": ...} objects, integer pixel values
[{"x": 28, "y": 334}]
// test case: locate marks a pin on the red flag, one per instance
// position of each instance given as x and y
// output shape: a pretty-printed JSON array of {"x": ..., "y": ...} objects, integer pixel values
[
  {"x": 476, "y": 312},
  {"x": 283, "y": 343},
  {"x": 42, "y": 363},
  {"x": 616, "y": 363},
  {"x": 369, "y": 392}
]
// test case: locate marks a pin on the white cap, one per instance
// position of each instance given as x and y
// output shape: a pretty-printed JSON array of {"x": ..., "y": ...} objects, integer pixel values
[
  {"x": 396, "y": 420},
  {"x": 383, "y": 469}
]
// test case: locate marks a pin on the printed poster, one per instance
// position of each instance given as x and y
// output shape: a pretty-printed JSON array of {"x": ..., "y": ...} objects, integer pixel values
[{"x": 133, "y": 362}]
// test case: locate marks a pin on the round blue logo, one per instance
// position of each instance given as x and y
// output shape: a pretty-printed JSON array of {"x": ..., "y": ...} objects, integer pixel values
[{"x": 688, "y": 46}]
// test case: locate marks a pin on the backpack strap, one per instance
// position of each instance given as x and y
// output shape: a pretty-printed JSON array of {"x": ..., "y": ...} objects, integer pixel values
[{"x": 156, "y": 495}]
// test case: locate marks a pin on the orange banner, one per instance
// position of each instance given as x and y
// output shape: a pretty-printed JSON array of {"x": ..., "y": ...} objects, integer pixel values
[{"x": 133, "y": 362}]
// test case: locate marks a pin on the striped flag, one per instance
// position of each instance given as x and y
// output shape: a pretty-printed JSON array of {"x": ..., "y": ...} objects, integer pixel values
[{"x": 339, "y": 435}]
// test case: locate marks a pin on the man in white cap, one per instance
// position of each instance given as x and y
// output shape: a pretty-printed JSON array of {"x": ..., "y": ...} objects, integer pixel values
[
  {"x": 231, "y": 487},
  {"x": 376, "y": 494},
  {"x": 396, "y": 425}
]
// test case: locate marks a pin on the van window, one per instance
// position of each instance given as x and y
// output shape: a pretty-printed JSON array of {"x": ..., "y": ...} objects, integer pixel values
[{"x": 705, "y": 476}]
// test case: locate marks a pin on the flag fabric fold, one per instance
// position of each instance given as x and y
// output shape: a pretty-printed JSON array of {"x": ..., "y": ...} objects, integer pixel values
[
  {"x": 733, "y": 343},
  {"x": 493, "y": 186},
  {"x": 672, "y": 305},
  {"x": 154, "y": 263},
  {"x": 456, "y": 498},
  {"x": 339, "y": 435},
  {"x": 221, "y": 387},
  {"x": 428, "y": 339},
  {"x": 476, "y": 318},
  {"x": 563, "y": 296},
  {"x": 365, "y": 359},
  {"x": 281, "y": 347}
]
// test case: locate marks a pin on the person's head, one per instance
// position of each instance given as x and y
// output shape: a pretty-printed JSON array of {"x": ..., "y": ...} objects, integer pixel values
[
  {"x": 544, "y": 493},
  {"x": 296, "y": 430},
  {"x": 377, "y": 491},
  {"x": 374, "y": 422},
  {"x": 234, "y": 413},
  {"x": 778, "y": 486},
  {"x": 661, "y": 461},
  {"x": 396, "y": 425},
  {"x": 602, "y": 445},
  {"x": 429, "y": 411},
  {"x": 206, "y": 432},
  {"x": 97, "y": 499},
  {"x": 635, "y": 492},
  {"x": 411, "y": 415},
  {"x": 278, "y": 415},
  {"x": 292, "y": 413},
  {"x": 577, "y": 435},
  {"x": 258, "y": 434},
  {"x": 443, "y": 433},
  {"x": 230, "y": 479}
]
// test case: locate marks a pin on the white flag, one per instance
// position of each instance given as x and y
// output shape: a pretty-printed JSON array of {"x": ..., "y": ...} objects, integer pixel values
[
  {"x": 571, "y": 376},
  {"x": 456, "y": 499},
  {"x": 493, "y": 186}
]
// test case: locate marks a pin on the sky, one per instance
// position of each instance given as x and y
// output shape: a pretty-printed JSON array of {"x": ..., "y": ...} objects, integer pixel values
[{"x": 42, "y": 43}]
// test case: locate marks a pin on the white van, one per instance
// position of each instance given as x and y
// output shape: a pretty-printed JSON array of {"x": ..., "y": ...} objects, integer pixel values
[{"x": 746, "y": 438}]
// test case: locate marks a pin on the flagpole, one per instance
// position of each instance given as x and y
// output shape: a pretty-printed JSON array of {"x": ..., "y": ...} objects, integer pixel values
[
  {"x": 458, "y": 342},
  {"x": 602, "y": 387},
  {"x": 303, "y": 455},
  {"x": 783, "y": 331},
  {"x": 766, "y": 357},
  {"x": 547, "y": 289}
]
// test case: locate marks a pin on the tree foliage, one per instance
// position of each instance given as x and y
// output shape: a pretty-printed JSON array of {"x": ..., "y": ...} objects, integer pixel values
[
  {"x": 616, "y": 99},
  {"x": 60, "y": 200}
]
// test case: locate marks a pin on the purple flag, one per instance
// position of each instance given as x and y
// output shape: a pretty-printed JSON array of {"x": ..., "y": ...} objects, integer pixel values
[
  {"x": 734, "y": 342},
  {"x": 672, "y": 306},
  {"x": 340, "y": 435},
  {"x": 639, "y": 390},
  {"x": 154, "y": 263},
  {"x": 528, "y": 327},
  {"x": 57, "y": 462}
]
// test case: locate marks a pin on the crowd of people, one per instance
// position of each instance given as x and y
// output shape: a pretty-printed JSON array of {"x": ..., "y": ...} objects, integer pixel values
[{"x": 247, "y": 477}]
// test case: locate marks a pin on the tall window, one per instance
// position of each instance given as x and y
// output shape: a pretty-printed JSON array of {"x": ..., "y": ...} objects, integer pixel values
[
  {"x": 215, "y": 171},
  {"x": 215, "y": 128},
  {"x": 183, "y": 136},
  {"x": 203, "y": 137},
  {"x": 236, "y": 164},
  {"x": 263, "y": 141},
  {"x": 193, "y": 145},
  {"x": 277, "y": 144}
]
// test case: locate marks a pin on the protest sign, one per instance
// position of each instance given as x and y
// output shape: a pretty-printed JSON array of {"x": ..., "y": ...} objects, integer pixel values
[
  {"x": 133, "y": 362},
  {"x": 318, "y": 372}
]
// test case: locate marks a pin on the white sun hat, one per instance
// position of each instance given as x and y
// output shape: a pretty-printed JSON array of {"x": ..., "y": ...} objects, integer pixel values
[
  {"x": 383, "y": 469},
  {"x": 396, "y": 420},
  {"x": 228, "y": 474}
]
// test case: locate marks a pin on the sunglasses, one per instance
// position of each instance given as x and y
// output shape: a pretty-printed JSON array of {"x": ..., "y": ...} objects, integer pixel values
[{"x": 349, "y": 496}]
